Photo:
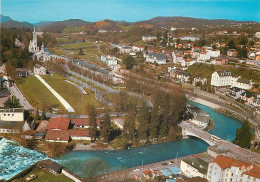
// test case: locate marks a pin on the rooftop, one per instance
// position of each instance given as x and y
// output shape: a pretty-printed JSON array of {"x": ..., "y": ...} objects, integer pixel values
[
  {"x": 58, "y": 123},
  {"x": 226, "y": 162},
  {"x": 218, "y": 149},
  {"x": 83, "y": 121},
  {"x": 197, "y": 163},
  {"x": 74, "y": 132},
  {"x": 156, "y": 55},
  {"x": 11, "y": 110},
  {"x": 59, "y": 135},
  {"x": 223, "y": 73}
]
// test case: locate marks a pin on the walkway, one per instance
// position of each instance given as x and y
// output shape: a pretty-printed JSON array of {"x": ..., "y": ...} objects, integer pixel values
[
  {"x": 240, "y": 153},
  {"x": 62, "y": 101},
  {"x": 14, "y": 90}
]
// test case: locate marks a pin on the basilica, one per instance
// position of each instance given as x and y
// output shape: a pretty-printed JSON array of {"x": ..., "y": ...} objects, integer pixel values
[{"x": 38, "y": 52}]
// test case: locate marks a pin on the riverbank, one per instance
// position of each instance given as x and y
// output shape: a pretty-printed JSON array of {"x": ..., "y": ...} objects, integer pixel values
[{"x": 136, "y": 172}]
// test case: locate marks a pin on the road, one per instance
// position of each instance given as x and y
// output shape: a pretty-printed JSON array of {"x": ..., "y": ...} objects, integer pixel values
[
  {"x": 240, "y": 153},
  {"x": 14, "y": 90}
]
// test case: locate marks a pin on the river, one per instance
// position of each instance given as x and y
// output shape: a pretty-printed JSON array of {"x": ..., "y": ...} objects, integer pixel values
[{"x": 87, "y": 163}]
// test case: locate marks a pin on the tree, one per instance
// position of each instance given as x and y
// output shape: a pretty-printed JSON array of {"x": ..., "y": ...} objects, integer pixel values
[
  {"x": 243, "y": 136},
  {"x": 12, "y": 102},
  {"x": 129, "y": 125},
  {"x": 144, "y": 120},
  {"x": 81, "y": 51},
  {"x": 93, "y": 123},
  {"x": 129, "y": 61},
  {"x": 231, "y": 44},
  {"x": 106, "y": 127},
  {"x": 37, "y": 115},
  {"x": 43, "y": 116},
  {"x": 242, "y": 53}
]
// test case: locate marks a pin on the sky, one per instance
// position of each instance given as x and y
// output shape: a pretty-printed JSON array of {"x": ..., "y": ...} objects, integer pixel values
[{"x": 34, "y": 11}]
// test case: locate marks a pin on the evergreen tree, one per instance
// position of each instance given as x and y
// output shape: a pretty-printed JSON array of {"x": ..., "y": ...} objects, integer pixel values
[
  {"x": 106, "y": 127},
  {"x": 37, "y": 115},
  {"x": 12, "y": 103},
  {"x": 93, "y": 123},
  {"x": 231, "y": 44},
  {"x": 144, "y": 120},
  {"x": 154, "y": 123},
  {"x": 243, "y": 136},
  {"x": 129, "y": 125},
  {"x": 81, "y": 51},
  {"x": 43, "y": 116}
]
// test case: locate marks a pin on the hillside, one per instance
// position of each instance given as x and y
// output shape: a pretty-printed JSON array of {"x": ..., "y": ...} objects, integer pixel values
[
  {"x": 43, "y": 23},
  {"x": 5, "y": 18},
  {"x": 16, "y": 24},
  {"x": 59, "y": 26}
]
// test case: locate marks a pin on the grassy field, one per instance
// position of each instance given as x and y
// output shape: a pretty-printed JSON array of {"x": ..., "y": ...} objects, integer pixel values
[
  {"x": 62, "y": 40},
  {"x": 37, "y": 94},
  {"x": 90, "y": 51},
  {"x": 72, "y": 94},
  {"x": 73, "y": 29},
  {"x": 44, "y": 175}
]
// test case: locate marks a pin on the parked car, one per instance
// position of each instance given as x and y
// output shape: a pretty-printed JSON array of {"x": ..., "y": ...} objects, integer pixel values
[{"x": 164, "y": 164}]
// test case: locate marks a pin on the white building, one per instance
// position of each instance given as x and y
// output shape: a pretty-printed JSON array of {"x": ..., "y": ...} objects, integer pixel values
[
  {"x": 39, "y": 70},
  {"x": 148, "y": 38},
  {"x": 12, "y": 114},
  {"x": 242, "y": 84},
  {"x": 153, "y": 57},
  {"x": 194, "y": 167},
  {"x": 109, "y": 60},
  {"x": 257, "y": 35},
  {"x": 227, "y": 169},
  {"x": 221, "y": 78},
  {"x": 200, "y": 117}
]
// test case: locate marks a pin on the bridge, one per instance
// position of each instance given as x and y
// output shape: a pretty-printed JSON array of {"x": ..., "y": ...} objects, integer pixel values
[{"x": 242, "y": 154}]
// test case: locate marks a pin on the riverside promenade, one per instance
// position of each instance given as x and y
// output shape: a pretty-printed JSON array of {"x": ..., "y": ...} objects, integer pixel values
[{"x": 136, "y": 172}]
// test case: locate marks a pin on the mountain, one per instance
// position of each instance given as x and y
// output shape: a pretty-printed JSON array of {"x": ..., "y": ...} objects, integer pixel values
[
  {"x": 60, "y": 25},
  {"x": 43, "y": 23},
  {"x": 4, "y": 18},
  {"x": 187, "y": 22},
  {"x": 16, "y": 24}
]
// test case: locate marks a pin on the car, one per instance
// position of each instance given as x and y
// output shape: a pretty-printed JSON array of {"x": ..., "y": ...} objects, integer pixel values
[
  {"x": 31, "y": 177},
  {"x": 164, "y": 164},
  {"x": 171, "y": 162}
]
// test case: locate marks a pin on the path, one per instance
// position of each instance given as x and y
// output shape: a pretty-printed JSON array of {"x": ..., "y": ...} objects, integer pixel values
[
  {"x": 61, "y": 99},
  {"x": 14, "y": 90}
]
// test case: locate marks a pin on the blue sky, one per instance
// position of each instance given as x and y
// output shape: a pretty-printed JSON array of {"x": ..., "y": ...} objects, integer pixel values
[{"x": 129, "y": 10}]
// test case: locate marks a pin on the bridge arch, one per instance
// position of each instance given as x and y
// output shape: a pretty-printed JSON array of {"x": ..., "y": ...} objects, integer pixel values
[{"x": 188, "y": 133}]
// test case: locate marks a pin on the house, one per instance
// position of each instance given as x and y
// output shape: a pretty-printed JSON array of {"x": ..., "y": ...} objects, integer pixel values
[
  {"x": 187, "y": 62},
  {"x": 12, "y": 114},
  {"x": 216, "y": 150},
  {"x": 221, "y": 78},
  {"x": 194, "y": 167},
  {"x": 109, "y": 60},
  {"x": 202, "y": 80},
  {"x": 125, "y": 49},
  {"x": 83, "y": 122},
  {"x": 232, "y": 52},
  {"x": 21, "y": 72},
  {"x": 227, "y": 169},
  {"x": 58, "y": 124},
  {"x": 200, "y": 117},
  {"x": 248, "y": 97},
  {"x": 220, "y": 61},
  {"x": 257, "y": 35},
  {"x": 148, "y": 174},
  {"x": 176, "y": 58},
  {"x": 146, "y": 38},
  {"x": 77, "y": 134},
  {"x": 55, "y": 168},
  {"x": 39, "y": 70},
  {"x": 241, "y": 83},
  {"x": 57, "y": 136},
  {"x": 42, "y": 126},
  {"x": 29, "y": 134},
  {"x": 235, "y": 92},
  {"x": 153, "y": 57},
  {"x": 183, "y": 77}
]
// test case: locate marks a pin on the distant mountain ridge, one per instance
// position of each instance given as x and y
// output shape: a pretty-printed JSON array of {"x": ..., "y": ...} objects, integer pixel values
[
  {"x": 5, "y": 18},
  {"x": 177, "y": 21}
]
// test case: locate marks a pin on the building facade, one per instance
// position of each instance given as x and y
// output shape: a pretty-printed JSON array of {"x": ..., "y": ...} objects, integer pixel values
[{"x": 12, "y": 114}]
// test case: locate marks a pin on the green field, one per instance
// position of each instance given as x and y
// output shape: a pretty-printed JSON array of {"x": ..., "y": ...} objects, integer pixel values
[
  {"x": 37, "y": 94},
  {"x": 89, "y": 49},
  {"x": 71, "y": 93},
  {"x": 73, "y": 29},
  {"x": 44, "y": 175}
]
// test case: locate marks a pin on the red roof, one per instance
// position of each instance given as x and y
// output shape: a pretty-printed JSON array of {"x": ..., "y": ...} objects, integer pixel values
[
  {"x": 78, "y": 132},
  {"x": 58, "y": 135},
  {"x": 58, "y": 123},
  {"x": 147, "y": 171},
  {"x": 30, "y": 132},
  {"x": 42, "y": 125},
  {"x": 248, "y": 169},
  {"x": 83, "y": 121}
]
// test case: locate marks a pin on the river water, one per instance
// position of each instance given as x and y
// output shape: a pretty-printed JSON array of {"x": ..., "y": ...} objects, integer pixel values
[{"x": 14, "y": 158}]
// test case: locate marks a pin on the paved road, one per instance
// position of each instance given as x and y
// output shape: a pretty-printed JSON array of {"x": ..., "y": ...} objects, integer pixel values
[
  {"x": 240, "y": 153},
  {"x": 14, "y": 90},
  {"x": 108, "y": 89}
]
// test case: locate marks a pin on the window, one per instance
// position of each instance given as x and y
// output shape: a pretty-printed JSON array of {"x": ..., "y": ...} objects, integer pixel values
[
  {"x": 4, "y": 114},
  {"x": 12, "y": 114},
  {"x": 8, "y": 114},
  {"x": 232, "y": 174}
]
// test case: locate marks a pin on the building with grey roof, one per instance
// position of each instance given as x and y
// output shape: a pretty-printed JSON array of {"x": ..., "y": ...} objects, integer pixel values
[
  {"x": 153, "y": 57},
  {"x": 193, "y": 167}
]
